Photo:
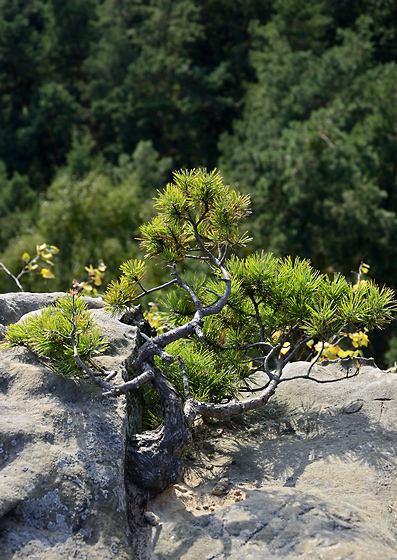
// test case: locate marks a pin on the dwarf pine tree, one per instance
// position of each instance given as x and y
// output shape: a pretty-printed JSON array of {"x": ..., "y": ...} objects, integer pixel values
[
  {"x": 237, "y": 317},
  {"x": 224, "y": 324}
]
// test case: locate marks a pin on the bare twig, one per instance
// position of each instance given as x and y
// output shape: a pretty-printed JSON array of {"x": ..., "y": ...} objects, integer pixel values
[
  {"x": 188, "y": 289},
  {"x": 267, "y": 360},
  {"x": 185, "y": 379},
  {"x": 196, "y": 301},
  {"x": 255, "y": 345},
  {"x": 357, "y": 371},
  {"x": 224, "y": 256},
  {"x": 217, "y": 296},
  {"x": 15, "y": 278},
  {"x": 111, "y": 390},
  {"x": 316, "y": 359},
  {"x": 297, "y": 347},
  {"x": 255, "y": 389},
  {"x": 360, "y": 272},
  {"x": 146, "y": 292},
  {"x": 258, "y": 319},
  {"x": 159, "y": 351},
  {"x": 237, "y": 407},
  {"x": 116, "y": 390},
  {"x": 197, "y": 257},
  {"x": 75, "y": 342},
  {"x": 111, "y": 376}
]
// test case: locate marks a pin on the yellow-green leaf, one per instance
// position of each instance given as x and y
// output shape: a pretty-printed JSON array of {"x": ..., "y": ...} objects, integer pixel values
[
  {"x": 97, "y": 278},
  {"x": 285, "y": 348},
  {"x": 364, "y": 268},
  {"x": 46, "y": 273}
]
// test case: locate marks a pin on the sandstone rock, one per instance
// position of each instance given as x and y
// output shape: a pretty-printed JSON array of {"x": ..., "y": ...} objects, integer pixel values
[
  {"x": 62, "y": 447},
  {"x": 313, "y": 474},
  {"x": 14, "y": 305},
  {"x": 318, "y": 476},
  {"x": 221, "y": 487},
  {"x": 353, "y": 407},
  {"x": 152, "y": 518}
]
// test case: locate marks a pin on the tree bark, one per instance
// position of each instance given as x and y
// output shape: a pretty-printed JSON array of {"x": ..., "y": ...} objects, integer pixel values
[{"x": 154, "y": 459}]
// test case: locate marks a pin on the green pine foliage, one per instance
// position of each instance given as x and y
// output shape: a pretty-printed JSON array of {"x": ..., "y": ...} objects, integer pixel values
[
  {"x": 125, "y": 290},
  {"x": 212, "y": 378},
  {"x": 277, "y": 309},
  {"x": 200, "y": 198},
  {"x": 280, "y": 302},
  {"x": 197, "y": 206},
  {"x": 47, "y": 334}
]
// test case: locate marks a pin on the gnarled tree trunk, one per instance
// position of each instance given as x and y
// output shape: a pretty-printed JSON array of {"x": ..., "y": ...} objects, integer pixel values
[{"x": 154, "y": 459}]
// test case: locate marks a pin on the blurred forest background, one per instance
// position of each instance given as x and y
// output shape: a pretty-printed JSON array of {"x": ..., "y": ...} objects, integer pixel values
[{"x": 294, "y": 101}]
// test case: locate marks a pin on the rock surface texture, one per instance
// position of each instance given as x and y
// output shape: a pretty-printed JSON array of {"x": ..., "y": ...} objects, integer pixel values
[
  {"x": 62, "y": 447},
  {"x": 313, "y": 475},
  {"x": 310, "y": 476}
]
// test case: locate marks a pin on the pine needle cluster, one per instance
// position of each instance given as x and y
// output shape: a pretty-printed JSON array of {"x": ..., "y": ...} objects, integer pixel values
[
  {"x": 197, "y": 204},
  {"x": 47, "y": 333},
  {"x": 278, "y": 307}
]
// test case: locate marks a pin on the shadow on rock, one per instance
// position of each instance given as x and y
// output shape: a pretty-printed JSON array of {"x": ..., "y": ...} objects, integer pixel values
[{"x": 316, "y": 471}]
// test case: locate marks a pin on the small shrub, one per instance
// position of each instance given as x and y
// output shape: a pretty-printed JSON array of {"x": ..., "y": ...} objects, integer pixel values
[{"x": 48, "y": 334}]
